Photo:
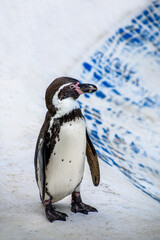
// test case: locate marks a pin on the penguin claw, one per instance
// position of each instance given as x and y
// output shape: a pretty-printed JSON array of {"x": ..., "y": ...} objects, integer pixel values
[
  {"x": 82, "y": 208},
  {"x": 61, "y": 213},
  {"x": 53, "y": 215},
  {"x": 78, "y": 206},
  {"x": 90, "y": 208}
]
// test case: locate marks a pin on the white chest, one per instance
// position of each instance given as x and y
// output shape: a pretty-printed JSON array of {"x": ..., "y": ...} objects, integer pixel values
[{"x": 66, "y": 166}]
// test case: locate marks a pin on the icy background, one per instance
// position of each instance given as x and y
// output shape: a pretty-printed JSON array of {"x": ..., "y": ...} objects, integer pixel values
[{"x": 114, "y": 44}]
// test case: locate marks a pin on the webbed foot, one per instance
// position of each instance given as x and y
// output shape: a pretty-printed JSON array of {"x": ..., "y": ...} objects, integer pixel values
[
  {"x": 52, "y": 214},
  {"x": 78, "y": 206}
]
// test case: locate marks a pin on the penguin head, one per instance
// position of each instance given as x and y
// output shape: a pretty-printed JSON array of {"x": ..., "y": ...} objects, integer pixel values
[{"x": 63, "y": 91}]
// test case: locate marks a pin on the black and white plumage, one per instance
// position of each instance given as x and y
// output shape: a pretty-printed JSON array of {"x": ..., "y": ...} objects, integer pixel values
[{"x": 61, "y": 148}]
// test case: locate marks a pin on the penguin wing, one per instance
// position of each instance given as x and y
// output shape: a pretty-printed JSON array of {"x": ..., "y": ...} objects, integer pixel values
[
  {"x": 92, "y": 161},
  {"x": 40, "y": 158}
]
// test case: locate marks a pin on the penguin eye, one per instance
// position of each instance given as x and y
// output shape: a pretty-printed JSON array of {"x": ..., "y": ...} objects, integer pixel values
[{"x": 72, "y": 86}]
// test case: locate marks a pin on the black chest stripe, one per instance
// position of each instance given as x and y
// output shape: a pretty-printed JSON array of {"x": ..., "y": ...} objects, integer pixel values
[{"x": 55, "y": 130}]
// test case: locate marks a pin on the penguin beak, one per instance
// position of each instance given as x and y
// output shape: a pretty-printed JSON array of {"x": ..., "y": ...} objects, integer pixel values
[{"x": 87, "y": 88}]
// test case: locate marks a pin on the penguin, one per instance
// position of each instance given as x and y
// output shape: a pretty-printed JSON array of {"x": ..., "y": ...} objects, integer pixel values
[{"x": 62, "y": 146}]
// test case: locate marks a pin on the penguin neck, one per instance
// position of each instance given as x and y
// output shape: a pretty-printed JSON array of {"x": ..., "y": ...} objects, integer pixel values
[{"x": 65, "y": 106}]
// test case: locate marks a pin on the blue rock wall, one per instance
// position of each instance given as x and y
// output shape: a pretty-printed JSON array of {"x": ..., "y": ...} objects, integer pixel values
[{"x": 123, "y": 115}]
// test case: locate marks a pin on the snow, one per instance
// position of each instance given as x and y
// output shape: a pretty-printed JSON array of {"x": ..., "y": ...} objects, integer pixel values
[{"x": 42, "y": 40}]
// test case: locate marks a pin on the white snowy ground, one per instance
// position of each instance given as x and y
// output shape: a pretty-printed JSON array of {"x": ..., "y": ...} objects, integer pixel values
[{"x": 41, "y": 40}]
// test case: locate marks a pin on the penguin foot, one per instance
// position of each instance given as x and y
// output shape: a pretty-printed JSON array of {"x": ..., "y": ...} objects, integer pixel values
[
  {"x": 52, "y": 214},
  {"x": 78, "y": 206}
]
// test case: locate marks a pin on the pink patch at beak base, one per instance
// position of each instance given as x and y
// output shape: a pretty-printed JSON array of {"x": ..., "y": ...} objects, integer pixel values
[{"x": 78, "y": 89}]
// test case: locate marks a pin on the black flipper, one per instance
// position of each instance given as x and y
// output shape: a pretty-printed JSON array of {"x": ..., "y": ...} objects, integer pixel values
[
  {"x": 92, "y": 161},
  {"x": 40, "y": 158}
]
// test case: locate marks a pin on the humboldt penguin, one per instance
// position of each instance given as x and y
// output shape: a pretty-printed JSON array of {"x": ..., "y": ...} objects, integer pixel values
[{"x": 62, "y": 146}]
